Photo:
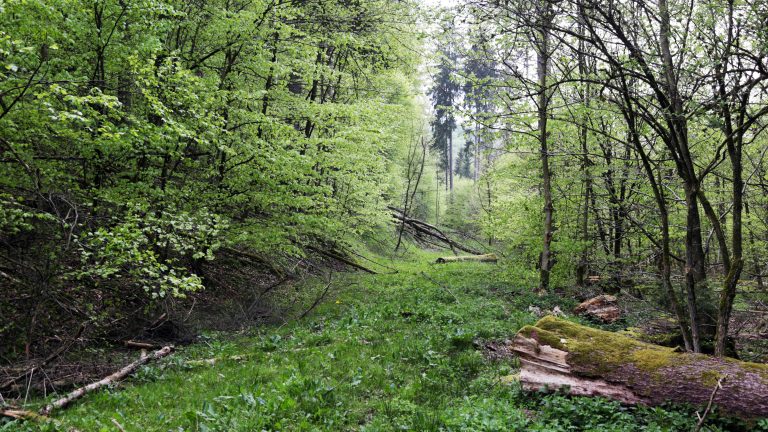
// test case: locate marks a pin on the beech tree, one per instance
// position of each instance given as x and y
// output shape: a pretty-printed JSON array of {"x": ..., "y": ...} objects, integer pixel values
[{"x": 140, "y": 142}]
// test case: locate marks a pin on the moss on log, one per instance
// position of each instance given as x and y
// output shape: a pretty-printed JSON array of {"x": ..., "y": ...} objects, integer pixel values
[
  {"x": 476, "y": 258},
  {"x": 558, "y": 354}
]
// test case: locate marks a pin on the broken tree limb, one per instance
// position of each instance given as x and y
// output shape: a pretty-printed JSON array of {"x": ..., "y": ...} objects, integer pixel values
[
  {"x": 138, "y": 344},
  {"x": 25, "y": 415},
  {"x": 489, "y": 258},
  {"x": 117, "y": 376},
  {"x": 703, "y": 417},
  {"x": 556, "y": 354},
  {"x": 213, "y": 361},
  {"x": 342, "y": 259},
  {"x": 20, "y": 414},
  {"x": 255, "y": 258},
  {"x": 420, "y": 229}
]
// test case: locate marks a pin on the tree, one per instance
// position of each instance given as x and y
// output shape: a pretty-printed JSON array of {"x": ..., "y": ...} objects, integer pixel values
[
  {"x": 445, "y": 93},
  {"x": 480, "y": 72}
]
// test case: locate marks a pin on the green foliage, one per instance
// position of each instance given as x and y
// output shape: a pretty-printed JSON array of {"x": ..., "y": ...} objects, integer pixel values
[
  {"x": 133, "y": 249},
  {"x": 137, "y": 138}
]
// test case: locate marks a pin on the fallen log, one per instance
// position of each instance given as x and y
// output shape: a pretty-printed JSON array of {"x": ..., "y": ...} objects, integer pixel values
[
  {"x": 560, "y": 355},
  {"x": 117, "y": 376},
  {"x": 492, "y": 258}
]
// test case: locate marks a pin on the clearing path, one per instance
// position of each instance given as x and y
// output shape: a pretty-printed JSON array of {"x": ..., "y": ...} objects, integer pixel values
[{"x": 417, "y": 350}]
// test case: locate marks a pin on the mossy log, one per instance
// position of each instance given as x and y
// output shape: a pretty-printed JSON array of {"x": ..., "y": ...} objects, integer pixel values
[
  {"x": 475, "y": 258},
  {"x": 557, "y": 354}
]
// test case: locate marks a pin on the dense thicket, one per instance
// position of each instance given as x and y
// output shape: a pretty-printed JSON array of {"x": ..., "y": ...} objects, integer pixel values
[{"x": 139, "y": 140}]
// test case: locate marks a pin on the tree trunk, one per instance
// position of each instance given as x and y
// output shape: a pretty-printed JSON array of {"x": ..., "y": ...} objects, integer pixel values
[
  {"x": 665, "y": 266},
  {"x": 450, "y": 164},
  {"x": 585, "y": 96},
  {"x": 734, "y": 139},
  {"x": 476, "y": 174},
  {"x": 694, "y": 263},
  {"x": 557, "y": 354},
  {"x": 542, "y": 64}
]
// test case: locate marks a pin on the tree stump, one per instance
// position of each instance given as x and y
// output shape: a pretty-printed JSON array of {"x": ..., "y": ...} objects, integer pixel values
[{"x": 603, "y": 308}]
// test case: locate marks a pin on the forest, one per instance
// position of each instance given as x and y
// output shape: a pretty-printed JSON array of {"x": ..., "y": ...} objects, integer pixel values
[{"x": 383, "y": 215}]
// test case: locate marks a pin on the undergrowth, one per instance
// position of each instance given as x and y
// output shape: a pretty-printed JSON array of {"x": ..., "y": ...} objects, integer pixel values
[{"x": 388, "y": 352}]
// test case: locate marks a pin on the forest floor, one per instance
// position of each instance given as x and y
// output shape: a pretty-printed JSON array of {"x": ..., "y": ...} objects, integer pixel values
[{"x": 407, "y": 351}]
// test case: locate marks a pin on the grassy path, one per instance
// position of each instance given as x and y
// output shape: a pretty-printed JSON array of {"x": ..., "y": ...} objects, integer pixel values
[{"x": 383, "y": 353}]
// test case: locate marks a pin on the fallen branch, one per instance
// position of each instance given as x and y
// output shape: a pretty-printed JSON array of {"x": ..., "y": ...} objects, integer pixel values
[
  {"x": 319, "y": 298},
  {"x": 256, "y": 258},
  {"x": 118, "y": 425},
  {"x": 491, "y": 258},
  {"x": 420, "y": 228},
  {"x": 156, "y": 323},
  {"x": 426, "y": 276},
  {"x": 19, "y": 414},
  {"x": 703, "y": 417},
  {"x": 213, "y": 361},
  {"x": 137, "y": 344},
  {"x": 342, "y": 259},
  {"x": 117, "y": 376}
]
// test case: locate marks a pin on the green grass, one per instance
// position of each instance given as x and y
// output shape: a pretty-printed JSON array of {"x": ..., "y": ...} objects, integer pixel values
[{"x": 382, "y": 353}]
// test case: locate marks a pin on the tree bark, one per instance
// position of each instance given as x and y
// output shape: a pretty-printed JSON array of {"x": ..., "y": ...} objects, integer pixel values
[
  {"x": 556, "y": 354},
  {"x": 585, "y": 96},
  {"x": 542, "y": 65}
]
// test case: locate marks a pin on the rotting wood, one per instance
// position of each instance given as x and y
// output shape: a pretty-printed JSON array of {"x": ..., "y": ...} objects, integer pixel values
[
  {"x": 489, "y": 258},
  {"x": 20, "y": 414},
  {"x": 560, "y": 355},
  {"x": 604, "y": 308},
  {"x": 117, "y": 376}
]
